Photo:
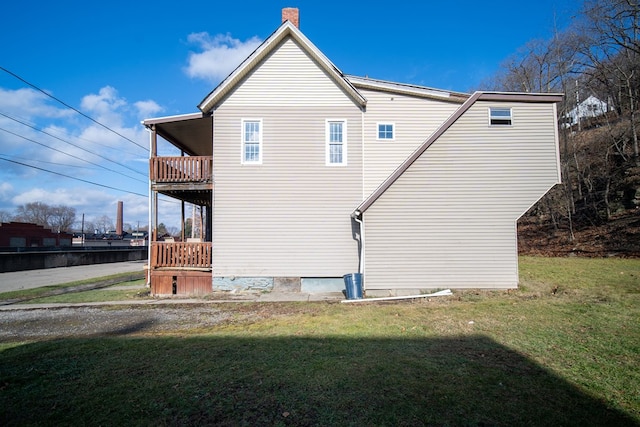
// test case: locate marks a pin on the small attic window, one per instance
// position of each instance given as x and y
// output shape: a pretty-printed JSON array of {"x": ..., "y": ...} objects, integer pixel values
[
  {"x": 385, "y": 131},
  {"x": 500, "y": 116}
]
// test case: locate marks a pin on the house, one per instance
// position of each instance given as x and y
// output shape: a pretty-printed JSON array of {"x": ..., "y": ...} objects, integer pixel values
[
  {"x": 305, "y": 174},
  {"x": 589, "y": 108}
]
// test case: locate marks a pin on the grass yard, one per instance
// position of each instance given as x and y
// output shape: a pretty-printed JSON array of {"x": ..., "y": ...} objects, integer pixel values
[{"x": 564, "y": 349}]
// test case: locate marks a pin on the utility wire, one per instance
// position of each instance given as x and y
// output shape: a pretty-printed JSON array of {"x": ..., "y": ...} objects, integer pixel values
[
  {"x": 70, "y": 155},
  {"x": 70, "y": 143},
  {"x": 49, "y": 163},
  {"x": 72, "y": 108},
  {"x": 73, "y": 177}
]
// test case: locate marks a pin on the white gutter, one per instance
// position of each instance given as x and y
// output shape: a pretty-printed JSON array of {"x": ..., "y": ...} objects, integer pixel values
[{"x": 446, "y": 292}]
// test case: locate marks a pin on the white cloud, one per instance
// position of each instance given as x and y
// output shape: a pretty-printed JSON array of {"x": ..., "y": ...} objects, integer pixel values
[
  {"x": 147, "y": 108},
  {"x": 20, "y": 184},
  {"x": 104, "y": 106},
  {"x": 27, "y": 103},
  {"x": 56, "y": 197},
  {"x": 220, "y": 55},
  {"x": 6, "y": 190}
]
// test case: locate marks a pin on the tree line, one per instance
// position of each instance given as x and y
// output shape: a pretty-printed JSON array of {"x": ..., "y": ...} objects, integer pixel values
[
  {"x": 597, "y": 55},
  {"x": 59, "y": 218}
]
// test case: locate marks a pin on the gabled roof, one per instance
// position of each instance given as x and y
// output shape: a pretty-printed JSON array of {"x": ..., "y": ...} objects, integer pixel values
[
  {"x": 287, "y": 29},
  {"x": 477, "y": 96}
]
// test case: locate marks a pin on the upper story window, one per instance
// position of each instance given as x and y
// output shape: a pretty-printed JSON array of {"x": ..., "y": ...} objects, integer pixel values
[
  {"x": 336, "y": 142},
  {"x": 386, "y": 131},
  {"x": 500, "y": 116},
  {"x": 252, "y": 142}
]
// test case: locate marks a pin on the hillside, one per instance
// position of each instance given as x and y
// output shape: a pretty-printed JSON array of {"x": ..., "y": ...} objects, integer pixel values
[{"x": 618, "y": 237}]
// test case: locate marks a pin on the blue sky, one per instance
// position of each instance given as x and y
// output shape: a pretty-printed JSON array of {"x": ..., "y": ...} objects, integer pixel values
[{"x": 120, "y": 62}]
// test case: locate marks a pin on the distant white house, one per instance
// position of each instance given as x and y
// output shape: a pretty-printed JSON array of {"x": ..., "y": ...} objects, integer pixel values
[{"x": 589, "y": 108}]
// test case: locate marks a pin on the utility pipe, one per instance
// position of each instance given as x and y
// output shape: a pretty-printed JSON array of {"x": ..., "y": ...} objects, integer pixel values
[{"x": 446, "y": 292}]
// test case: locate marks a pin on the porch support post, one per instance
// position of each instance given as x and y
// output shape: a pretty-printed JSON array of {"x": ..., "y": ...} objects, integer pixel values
[{"x": 182, "y": 223}]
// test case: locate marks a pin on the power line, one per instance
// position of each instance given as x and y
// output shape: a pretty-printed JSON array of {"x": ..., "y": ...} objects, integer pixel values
[
  {"x": 70, "y": 143},
  {"x": 72, "y": 108},
  {"x": 73, "y": 177},
  {"x": 70, "y": 155},
  {"x": 49, "y": 163}
]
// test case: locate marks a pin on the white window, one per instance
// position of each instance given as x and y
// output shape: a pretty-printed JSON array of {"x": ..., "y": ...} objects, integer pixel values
[
  {"x": 336, "y": 139},
  {"x": 500, "y": 116},
  {"x": 252, "y": 142},
  {"x": 386, "y": 131}
]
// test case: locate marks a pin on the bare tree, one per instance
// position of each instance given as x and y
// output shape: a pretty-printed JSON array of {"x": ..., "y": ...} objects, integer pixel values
[
  {"x": 610, "y": 47},
  {"x": 599, "y": 55},
  {"x": 103, "y": 224},
  {"x": 5, "y": 216},
  {"x": 62, "y": 218},
  {"x": 58, "y": 218},
  {"x": 35, "y": 213}
]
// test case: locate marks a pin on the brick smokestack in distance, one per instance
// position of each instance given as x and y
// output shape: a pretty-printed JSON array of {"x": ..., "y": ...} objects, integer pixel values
[
  {"x": 292, "y": 15},
  {"x": 119, "y": 218}
]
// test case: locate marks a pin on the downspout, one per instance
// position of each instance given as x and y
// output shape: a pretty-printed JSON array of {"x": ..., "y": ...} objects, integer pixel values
[{"x": 357, "y": 217}]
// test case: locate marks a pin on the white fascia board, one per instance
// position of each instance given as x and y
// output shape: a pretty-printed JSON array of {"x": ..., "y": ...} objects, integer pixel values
[{"x": 176, "y": 118}]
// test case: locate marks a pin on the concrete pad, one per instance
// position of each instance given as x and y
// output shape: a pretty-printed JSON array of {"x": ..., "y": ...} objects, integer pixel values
[
  {"x": 327, "y": 296},
  {"x": 283, "y": 296}
]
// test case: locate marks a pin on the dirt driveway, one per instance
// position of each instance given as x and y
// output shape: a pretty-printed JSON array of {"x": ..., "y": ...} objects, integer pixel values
[{"x": 51, "y": 323}]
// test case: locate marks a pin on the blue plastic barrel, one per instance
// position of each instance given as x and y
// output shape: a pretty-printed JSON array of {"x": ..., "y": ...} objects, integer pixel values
[{"x": 353, "y": 285}]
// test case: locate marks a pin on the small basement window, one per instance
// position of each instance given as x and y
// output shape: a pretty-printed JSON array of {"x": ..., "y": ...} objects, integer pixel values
[{"x": 499, "y": 116}]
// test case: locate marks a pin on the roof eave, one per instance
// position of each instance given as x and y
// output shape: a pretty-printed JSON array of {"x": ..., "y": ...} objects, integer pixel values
[
  {"x": 407, "y": 89},
  {"x": 170, "y": 119}
]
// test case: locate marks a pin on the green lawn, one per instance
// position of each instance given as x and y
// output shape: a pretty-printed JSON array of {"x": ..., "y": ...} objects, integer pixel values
[{"x": 564, "y": 349}]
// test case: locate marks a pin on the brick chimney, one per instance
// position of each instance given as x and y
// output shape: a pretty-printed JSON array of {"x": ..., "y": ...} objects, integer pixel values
[
  {"x": 292, "y": 15},
  {"x": 119, "y": 220}
]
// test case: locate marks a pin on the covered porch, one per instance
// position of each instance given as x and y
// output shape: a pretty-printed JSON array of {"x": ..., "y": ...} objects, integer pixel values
[{"x": 182, "y": 264}]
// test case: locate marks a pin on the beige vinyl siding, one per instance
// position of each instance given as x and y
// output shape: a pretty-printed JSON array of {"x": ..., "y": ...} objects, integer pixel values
[
  {"x": 288, "y": 77},
  {"x": 414, "y": 120},
  {"x": 289, "y": 216},
  {"x": 450, "y": 220}
]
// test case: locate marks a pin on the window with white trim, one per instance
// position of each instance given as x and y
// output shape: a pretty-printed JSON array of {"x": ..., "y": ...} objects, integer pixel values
[
  {"x": 386, "y": 131},
  {"x": 336, "y": 140},
  {"x": 500, "y": 116},
  {"x": 251, "y": 141}
]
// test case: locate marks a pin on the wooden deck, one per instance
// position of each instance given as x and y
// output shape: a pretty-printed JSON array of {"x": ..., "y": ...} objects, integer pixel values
[
  {"x": 181, "y": 169},
  {"x": 181, "y": 255},
  {"x": 181, "y": 268}
]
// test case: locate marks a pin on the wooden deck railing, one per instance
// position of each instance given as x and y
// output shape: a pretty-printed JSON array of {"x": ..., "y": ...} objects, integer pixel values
[
  {"x": 181, "y": 254},
  {"x": 181, "y": 169}
]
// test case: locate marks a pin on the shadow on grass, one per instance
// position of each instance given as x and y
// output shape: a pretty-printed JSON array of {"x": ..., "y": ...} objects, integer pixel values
[{"x": 298, "y": 381}]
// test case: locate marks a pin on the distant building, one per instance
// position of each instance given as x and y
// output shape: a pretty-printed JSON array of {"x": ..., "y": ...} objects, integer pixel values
[
  {"x": 26, "y": 235},
  {"x": 587, "y": 109}
]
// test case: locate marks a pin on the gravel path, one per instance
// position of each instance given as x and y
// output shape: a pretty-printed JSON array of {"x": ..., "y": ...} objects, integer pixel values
[{"x": 37, "y": 324}]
